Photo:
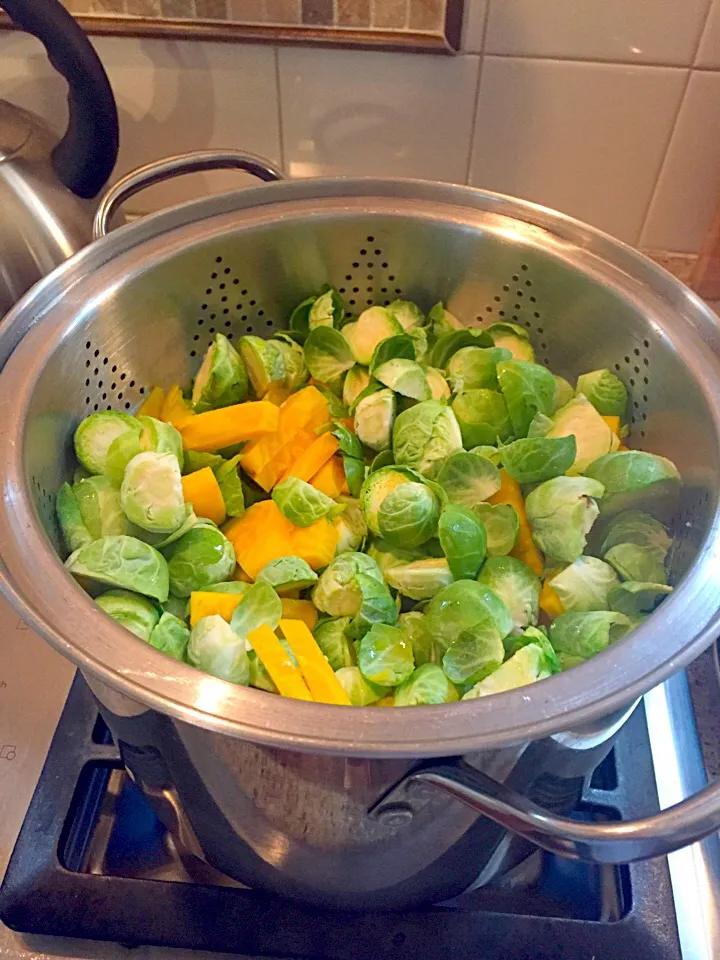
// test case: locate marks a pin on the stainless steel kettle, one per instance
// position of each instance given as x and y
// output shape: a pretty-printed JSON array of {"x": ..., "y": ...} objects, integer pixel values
[{"x": 46, "y": 186}]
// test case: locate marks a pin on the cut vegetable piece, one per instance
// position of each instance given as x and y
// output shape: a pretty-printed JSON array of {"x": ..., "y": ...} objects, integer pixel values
[
  {"x": 316, "y": 456},
  {"x": 316, "y": 544},
  {"x": 299, "y": 610},
  {"x": 405, "y": 377},
  {"x": 264, "y": 362},
  {"x": 483, "y": 417},
  {"x": 202, "y": 490},
  {"x": 124, "y": 562},
  {"x": 175, "y": 409},
  {"x": 550, "y": 602},
  {"x": 524, "y": 549},
  {"x": 593, "y": 437},
  {"x": 152, "y": 406},
  {"x": 287, "y": 575},
  {"x": 206, "y": 603},
  {"x": 260, "y": 535},
  {"x": 374, "y": 417},
  {"x": 606, "y": 392},
  {"x": 327, "y": 354},
  {"x": 222, "y": 378},
  {"x": 301, "y": 503},
  {"x": 96, "y": 433},
  {"x": 330, "y": 478},
  {"x": 274, "y": 657},
  {"x": 324, "y": 686},
  {"x": 151, "y": 493},
  {"x": 372, "y": 326},
  {"x": 216, "y": 429}
]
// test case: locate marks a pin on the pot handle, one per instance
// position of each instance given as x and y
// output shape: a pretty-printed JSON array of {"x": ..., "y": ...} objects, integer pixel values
[
  {"x": 160, "y": 170},
  {"x": 675, "y": 827}
]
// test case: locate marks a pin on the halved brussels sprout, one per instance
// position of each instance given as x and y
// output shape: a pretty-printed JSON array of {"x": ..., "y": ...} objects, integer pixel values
[
  {"x": 606, "y": 392},
  {"x": 263, "y": 361},
  {"x": 171, "y": 636},
  {"x": 502, "y": 526},
  {"x": 584, "y": 585},
  {"x": 636, "y": 527},
  {"x": 593, "y": 437},
  {"x": 468, "y": 478},
  {"x": 151, "y": 492},
  {"x": 420, "y": 342},
  {"x": 260, "y": 605},
  {"x": 420, "y": 579},
  {"x": 462, "y": 605},
  {"x": 526, "y": 666},
  {"x": 95, "y": 434},
  {"x": 414, "y": 626},
  {"x": 463, "y": 540},
  {"x": 330, "y": 636},
  {"x": 357, "y": 380},
  {"x": 361, "y": 692},
  {"x": 540, "y": 458},
  {"x": 371, "y": 327},
  {"x": 301, "y": 503},
  {"x": 338, "y": 592},
  {"x": 563, "y": 393},
  {"x": 585, "y": 634},
  {"x": 408, "y": 515},
  {"x": 439, "y": 388},
  {"x": 132, "y": 611},
  {"x": 454, "y": 340},
  {"x": 161, "y": 540},
  {"x": 539, "y": 426},
  {"x": 399, "y": 347},
  {"x": 351, "y": 526},
  {"x": 425, "y": 435},
  {"x": 407, "y": 314},
  {"x": 488, "y": 451},
  {"x": 538, "y": 636},
  {"x": 199, "y": 558},
  {"x": 561, "y": 513},
  {"x": 100, "y": 507},
  {"x": 482, "y": 416},
  {"x": 633, "y": 478},
  {"x": 384, "y": 656},
  {"x": 633, "y": 598},
  {"x": 442, "y": 321},
  {"x": 516, "y": 585},
  {"x": 123, "y": 562},
  {"x": 528, "y": 389},
  {"x": 222, "y": 378},
  {"x": 231, "y": 486},
  {"x": 473, "y": 367},
  {"x": 426, "y": 685},
  {"x": 216, "y": 649},
  {"x": 373, "y": 419},
  {"x": 296, "y": 371},
  {"x": 377, "y": 606},
  {"x": 405, "y": 377},
  {"x": 514, "y": 338},
  {"x": 287, "y": 573},
  {"x": 75, "y": 532},
  {"x": 327, "y": 310},
  {"x": 387, "y": 556},
  {"x": 153, "y": 436},
  {"x": 637, "y": 563},
  {"x": 477, "y": 652},
  {"x": 327, "y": 354}
]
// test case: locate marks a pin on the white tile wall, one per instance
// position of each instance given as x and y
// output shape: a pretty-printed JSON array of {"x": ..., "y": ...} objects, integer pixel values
[{"x": 607, "y": 109}]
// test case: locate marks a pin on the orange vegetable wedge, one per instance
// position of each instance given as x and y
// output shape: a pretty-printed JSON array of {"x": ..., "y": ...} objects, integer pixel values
[
  {"x": 525, "y": 548},
  {"x": 273, "y": 656},
  {"x": 316, "y": 544},
  {"x": 202, "y": 490},
  {"x": 203, "y": 603},
  {"x": 614, "y": 424},
  {"x": 315, "y": 457},
  {"x": 319, "y": 676},
  {"x": 304, "y": 610},
  {"x": 330, "y": 478},
  {"x": 153, "y": 404},
  {"x": 260, "y": 535},
  {"x": 211, "y": 431},
  {"x": 550, "y": 602},
  {"x": 175, "y": 409}
]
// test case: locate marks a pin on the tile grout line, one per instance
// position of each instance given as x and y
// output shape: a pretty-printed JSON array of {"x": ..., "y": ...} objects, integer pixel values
[
  {"x": 278, "y": 94},
  {"x": 654, "y": 64},
  {"x": 476, "y": 101}
]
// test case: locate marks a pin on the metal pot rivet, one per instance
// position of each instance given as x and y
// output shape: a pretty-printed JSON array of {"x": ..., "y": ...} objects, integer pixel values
[{"x": 395, "y": 814}]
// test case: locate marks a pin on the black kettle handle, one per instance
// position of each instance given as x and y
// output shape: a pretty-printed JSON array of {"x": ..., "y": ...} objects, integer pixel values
[{"x": 83, "y": 160}]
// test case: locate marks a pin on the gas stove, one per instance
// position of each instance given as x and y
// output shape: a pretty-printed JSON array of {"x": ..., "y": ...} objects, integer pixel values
[{"x": 93, "y": 869}]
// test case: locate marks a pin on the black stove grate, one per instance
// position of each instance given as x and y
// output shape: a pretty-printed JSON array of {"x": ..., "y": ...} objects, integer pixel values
[{"x": 92, "y": 861}]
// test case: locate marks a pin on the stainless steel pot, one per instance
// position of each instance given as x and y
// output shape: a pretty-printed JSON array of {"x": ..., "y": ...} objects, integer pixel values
[{"x": 345, "y": 807}]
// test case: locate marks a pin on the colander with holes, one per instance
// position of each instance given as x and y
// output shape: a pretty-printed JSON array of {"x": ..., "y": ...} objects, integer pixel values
[{"x": 359, "y": 807}]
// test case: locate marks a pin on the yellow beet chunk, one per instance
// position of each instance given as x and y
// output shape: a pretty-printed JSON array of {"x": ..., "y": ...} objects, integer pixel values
[
  {"x": 614, "y": 424},
  {"x": 305, "y": 610},
  {"x": 274, "y": 468},
  {"x": 203, "y": 603},
  {"x": 274, "y": 657},
  {"x": 211, "y": 431},
  {"x": 316, "y": 544},
  {"x": 315, "y": 457},
  {"x": 153, "y": 405},
  {"x": 525, "y": 548},
  {"x": 319, "y": 675},
  {"x": 175, "y": 408},
  {"x": 550, "y": 602},
  {"x": 330, "y": 478},
  {"x": 260, "y": 535},
  {"x": 202, "y": 490}
]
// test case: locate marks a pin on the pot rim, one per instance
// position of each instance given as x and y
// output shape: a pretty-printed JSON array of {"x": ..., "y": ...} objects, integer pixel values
[{"x": 54, "y": 602}]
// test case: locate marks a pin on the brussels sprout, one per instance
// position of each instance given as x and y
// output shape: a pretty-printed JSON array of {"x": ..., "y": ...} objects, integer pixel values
[
  {"x": 264, "y": 363},
  {"x": 414, "y": 626},
  {"x": 475, "y": 367},
  {"x": 373, "y": 419},
  {"x": 123, "y": 562},
  {"x": 237, "y": 587},
  {"x": 371, "y": 327},
  {"x": 100, "y": 507},
  {"x": 408, "y": 515},
  {"x": 171, "y": 636},
  {"x": 636, "y": 527},
  {"x": 177, "y": 606},
  {"x": 538, "y": 459},
  {"x": 421, "y": 579},
  {"x": 514, "y": 338},
  {"x": 637, "y": 563},
  {"x": 482, "y": 416},
  {"x": 405, "y": 377},
  {"x": 332, "y": 640},
  {"x": 593, "y": 437},
  {"x": 455, "y": 340},
  {"x": 161, "y": 437},
  {"x": 151, "y": 493},
  {"x": 75, "y": 532},
  {"x": 351, "y": 527},
  {"x": 477, "y": 652},
  {"x": 301, "y": 503},
  {"x": 516, "y": 585},
  {"x": 439, "y": 389},
  {"x": 463, "y": 540},
  {"x": 161, "y": 540},
  {"x": 585, "y": 634},
  {"x": 633, "y": 478},
  {"x": 327, "y": 310},
  {"x": 584, "y": 585},
  {"x": 296, "y": 371},
  {"x": 137, "y": 614},
  {"x": 528, "y": 389},
  {"x": 287, "y": 573},
  {"x": 199, "y": 558},
  {"x": 633, "y": 598},
  {"x": 337, "y": 592},
  {"x": 231, "y": 486},
  {"x": 420, "y": 343},
  {"x": 537, "y": 636},
  {"x": 488, "y": 451},
  {"x": 460, "y": 607},
  {"x": 468, "y": 478},
  {"x": 407, "y": 314},
  {"x": 605, "y": 391},
  {"x": 357, "y": 380},
  {"x": 360, "y": 691},
  {"x": 399, "y": 347},
  {"x": 563, "y": 392},
  {"x": 526, "y": 666},
  {"x": 95, "y": 434},
  {"x": 425, "y": 435},
  {"x": 385, "y": 657},
  {"x": 221, "y": 379},
  {"x": 502, "y": 526},
  {"x": 377, "y": 606},
  {"x": 442, "y": 321},
  {"x": 387, "y": 557},
  {"x": 327, "y": 354},
  {"x": 561, "y": 513},
  {"x": 539, "y": 426},
  {"x": 426, "y": 685},
  {"x": 260, "y": 605},
  {"x": 215, "y": 648},
  {"x": 121, "y": 451}
]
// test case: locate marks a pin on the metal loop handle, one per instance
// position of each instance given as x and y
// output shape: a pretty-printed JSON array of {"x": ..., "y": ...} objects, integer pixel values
[
  {"x": 170, "y": 167},
  {"x": 675, "y": 827}
]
